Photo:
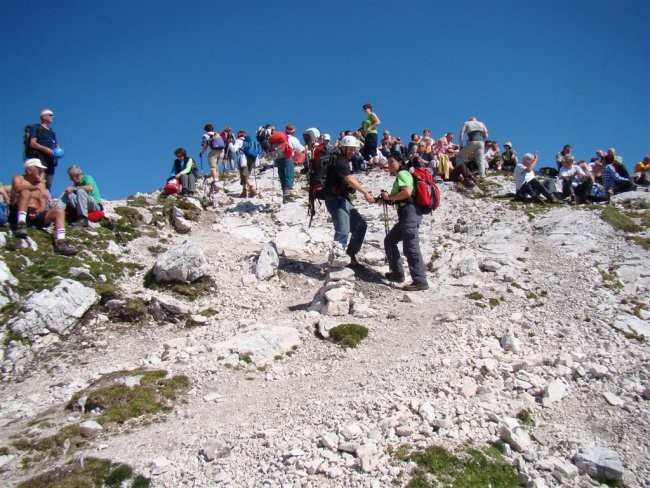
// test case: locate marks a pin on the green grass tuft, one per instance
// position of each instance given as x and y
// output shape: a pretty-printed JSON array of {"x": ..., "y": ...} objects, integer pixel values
[
  {"x": 94, "y": 473},
  {"x": 475, "y": 295},
  {"x": 471, "y": 468},
  {"x": 621, "y": 220},
  {"x": 349, "y": 335}
]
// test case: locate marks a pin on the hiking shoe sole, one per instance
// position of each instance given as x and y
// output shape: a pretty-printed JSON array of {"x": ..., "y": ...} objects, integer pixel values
[{"x": 416, "y": 287}]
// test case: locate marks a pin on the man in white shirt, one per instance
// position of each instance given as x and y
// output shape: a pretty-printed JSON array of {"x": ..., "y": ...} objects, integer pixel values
[
  {"x": 527, "y": 185},
  {"x": 477, "y": 133}
]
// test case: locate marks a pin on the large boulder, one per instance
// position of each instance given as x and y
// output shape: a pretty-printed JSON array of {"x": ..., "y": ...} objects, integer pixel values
[
  {"x": 53, "y": 310},
  {"x": 185, "y": 263}
]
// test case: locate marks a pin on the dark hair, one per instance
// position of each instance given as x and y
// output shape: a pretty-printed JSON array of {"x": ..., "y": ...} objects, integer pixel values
[
  {"x": 367, "y": 105},
  {"x": 396, "y": 155},
  {"x": 180, "y": 151},
  {"x": 208, "y": 128}
]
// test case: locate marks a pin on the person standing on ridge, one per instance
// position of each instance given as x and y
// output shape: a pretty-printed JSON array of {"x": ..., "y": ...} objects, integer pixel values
[
  {"x": 406, "y": 229},
  {"x": 369, "y": 132},
  {"x": 340, "y": 185},
  {"x": 42, "y": 144},
  {"x": 477, "y": 133}
]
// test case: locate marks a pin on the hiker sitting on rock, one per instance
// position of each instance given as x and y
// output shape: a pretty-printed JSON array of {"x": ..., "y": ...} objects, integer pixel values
[
  {"x": 526, "y": 185},
  {"x": 31, "y": 203},
  {"x": 82, "y": 198},
  {"x": 184, "y": 170}
]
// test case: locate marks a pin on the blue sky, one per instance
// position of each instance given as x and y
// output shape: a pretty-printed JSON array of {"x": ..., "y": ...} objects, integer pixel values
[{"x": 129, "y": 81}]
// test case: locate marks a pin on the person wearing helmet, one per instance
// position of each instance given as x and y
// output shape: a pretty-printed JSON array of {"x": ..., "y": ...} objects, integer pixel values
[
  {"x": 340, "y": 185},
  {"x": 42, "y": 143}
]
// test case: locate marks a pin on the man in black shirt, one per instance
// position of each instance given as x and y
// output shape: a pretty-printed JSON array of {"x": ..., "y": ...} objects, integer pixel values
[{"x": 340, "y": 185}]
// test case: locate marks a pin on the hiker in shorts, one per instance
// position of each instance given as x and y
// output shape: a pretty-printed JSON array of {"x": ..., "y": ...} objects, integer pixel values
[
  {"x": 30, "y": 204},
  {"x": 340, "y": 185},
  {"x": 82, "y": 197},
  {"x": 406, "y": 229},
  {"x": 215, "y": 156},
  {"x": 42, "y": 143},
  {"x": 246, "y": 165}
]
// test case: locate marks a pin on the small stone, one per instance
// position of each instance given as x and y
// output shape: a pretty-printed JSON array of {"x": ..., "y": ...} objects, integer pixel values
[
  {"x": 555, "y": 391},
  {"x": 600, "y": 462},
  {"x": 91, "y": 425},
  {"x": 159, "y": 466},
  {"x": 613, "y": 399}
]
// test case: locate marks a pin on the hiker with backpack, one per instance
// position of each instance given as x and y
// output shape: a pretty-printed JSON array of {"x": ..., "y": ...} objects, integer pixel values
[
  {"x": 82, "y": 198},
  {"x": 42, "y": 144},
  {"x": 339, "y": 188},
  {"x": 246, "y": 161},
  {"x": 409, "y": 216},
  {"x": 281, "y": 153},
  {"x": 185, "y": 171},
  {"x": 213, "y": 143}
]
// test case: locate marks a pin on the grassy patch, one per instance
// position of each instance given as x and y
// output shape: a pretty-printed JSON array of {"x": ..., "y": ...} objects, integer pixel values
[
  {"x": 493, "y": 302},
  {"x": 525, "y": 417},
  {"x": 94, "y": 472},
  {"x": 470, "y": 468},
  {"x": 45, "y": 265},
  {"x": 349, "y": 335},
  {"x": 155, "y": 250},
  {"x": 118, "y": 402},
  {"x": 621, "y": 220},
  {"x": 134, "y": 311},
  {"x": 644, "y": 242},
  {"x": 475, "y": 295}
]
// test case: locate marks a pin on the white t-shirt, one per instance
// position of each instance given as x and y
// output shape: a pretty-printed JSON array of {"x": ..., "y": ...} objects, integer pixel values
[{"x": 522, "y": 175}]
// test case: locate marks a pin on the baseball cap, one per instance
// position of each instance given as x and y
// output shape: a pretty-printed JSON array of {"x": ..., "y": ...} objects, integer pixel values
[
  {"x": 326, "y": 137},
  {"x": 508, "y": 144},
  {"x": 46, "y": 111},
  {"x": 34, "y": 163}
]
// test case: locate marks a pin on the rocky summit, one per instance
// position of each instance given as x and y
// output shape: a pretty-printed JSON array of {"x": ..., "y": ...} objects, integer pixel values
[{"x": 194, "y": 342}]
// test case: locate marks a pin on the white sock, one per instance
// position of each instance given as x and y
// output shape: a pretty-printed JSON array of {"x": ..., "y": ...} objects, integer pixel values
[
  {"x": 22, "y": 216},
  {"x": 60, "y": 234}
]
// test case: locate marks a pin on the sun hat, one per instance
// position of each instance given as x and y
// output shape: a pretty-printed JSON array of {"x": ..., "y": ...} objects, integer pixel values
[
  {"x": 34, "y": 163},
  {"x": 327, "y": 137},
  {"x": 509, "y": 144}
]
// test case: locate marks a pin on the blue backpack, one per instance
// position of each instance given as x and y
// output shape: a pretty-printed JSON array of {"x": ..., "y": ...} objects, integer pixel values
[
  {"x": 4, "y": 214},
  {"x": 251, "y": 147}
]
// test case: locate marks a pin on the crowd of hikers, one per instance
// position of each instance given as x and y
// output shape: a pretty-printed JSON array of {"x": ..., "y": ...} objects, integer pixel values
[{"x": 331, "y": 167}]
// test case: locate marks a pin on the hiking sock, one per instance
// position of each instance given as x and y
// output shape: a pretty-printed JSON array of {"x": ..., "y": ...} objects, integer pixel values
[
  {"x": 22, "y": 217},
  {"x": 59, "y": 234}
]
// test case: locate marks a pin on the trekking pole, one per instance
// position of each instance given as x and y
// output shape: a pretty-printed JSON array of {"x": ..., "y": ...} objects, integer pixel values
[{"x": 201, "y": 159}]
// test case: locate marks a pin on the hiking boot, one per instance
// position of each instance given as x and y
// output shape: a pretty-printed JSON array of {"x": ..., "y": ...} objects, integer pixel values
[
  {"x": 416, "y": 287},
  {"x": 540, "y": 200},
  {"x": 243, "y": 194},
  {"x": 21, "y": 230},
  {"x": 62, "y": 246},
  {"x": 252, "y": 192},
  {"x": 555, "y": 199},
  {"x": 354, "y": 264},
  {"x": 394, "y": 276},
  {"x": 80, "y": 222}
]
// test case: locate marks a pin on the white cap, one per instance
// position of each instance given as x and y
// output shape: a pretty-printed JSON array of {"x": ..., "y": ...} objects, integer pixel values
[
  {"x": 46, "y": 111},
  {"x": 34, "y": 163},
  {"x": 508, "y": 144},
  {"x": 327, "y": 137}
]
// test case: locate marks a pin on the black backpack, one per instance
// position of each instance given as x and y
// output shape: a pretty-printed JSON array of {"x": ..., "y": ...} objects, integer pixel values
[
  {"x": 27, "y": 134},
  {"x": 318, "y": 171}
]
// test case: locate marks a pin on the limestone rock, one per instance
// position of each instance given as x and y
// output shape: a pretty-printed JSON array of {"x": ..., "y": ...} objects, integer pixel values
[
  {"x": 185, "y": 263},
  {"x": 600, "y": 462},
  {"x": 53, "y": 310},
  {"x": 179, "y": 222},
  {"x": 267, "y": 262}
]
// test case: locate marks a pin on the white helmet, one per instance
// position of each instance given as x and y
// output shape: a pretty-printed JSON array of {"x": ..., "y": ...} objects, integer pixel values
[{"x": 349, "y": 141}]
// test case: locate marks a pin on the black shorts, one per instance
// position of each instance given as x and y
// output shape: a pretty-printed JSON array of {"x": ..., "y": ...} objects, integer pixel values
[{"x": 36, "y": 219}]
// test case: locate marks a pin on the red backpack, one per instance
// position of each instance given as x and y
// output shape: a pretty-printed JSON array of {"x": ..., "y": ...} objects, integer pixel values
[
  {"x": 427, "y": 193},
  {"x": 280, "y": 148}
]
